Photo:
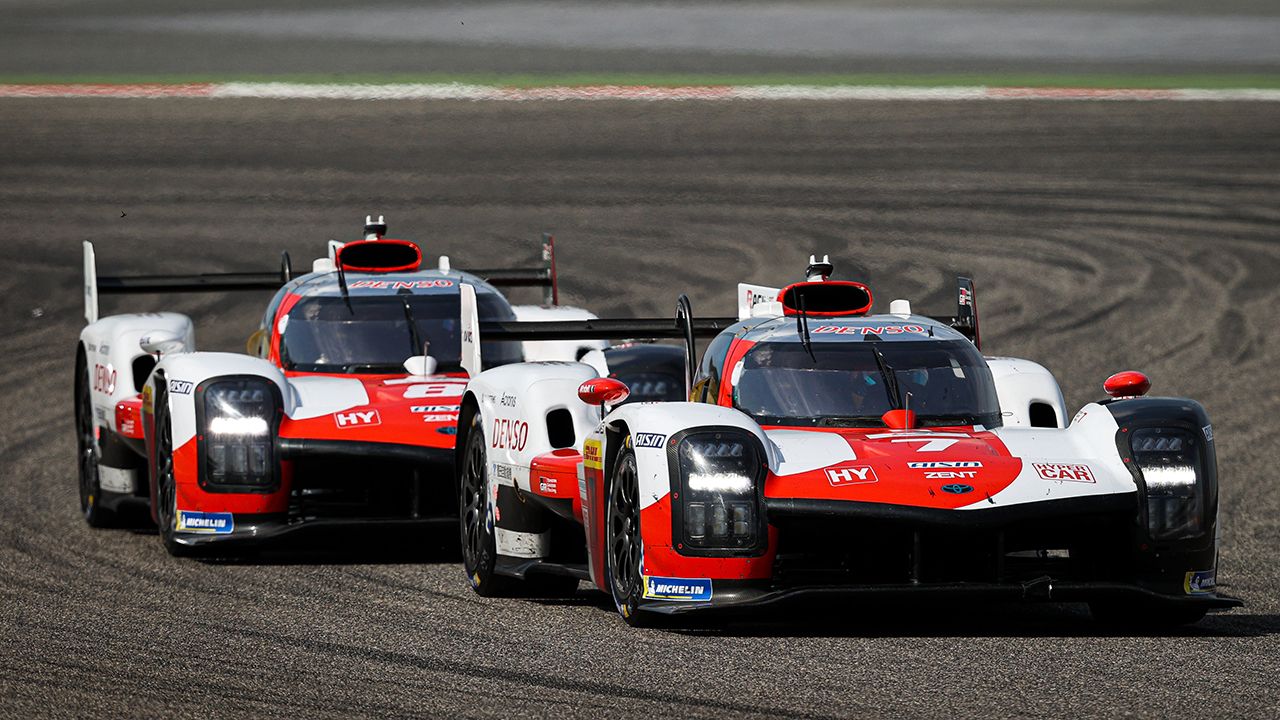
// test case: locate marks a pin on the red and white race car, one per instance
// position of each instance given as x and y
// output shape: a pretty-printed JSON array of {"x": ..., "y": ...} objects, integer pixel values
[
  {"x": 829, "y": 453},
  {"x": 343, "y": 411}
]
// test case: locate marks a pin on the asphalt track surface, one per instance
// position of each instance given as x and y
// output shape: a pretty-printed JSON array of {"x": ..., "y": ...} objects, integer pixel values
[
  {"x": 59, "y": 38},
  {"x": 1103, "y": 236}
]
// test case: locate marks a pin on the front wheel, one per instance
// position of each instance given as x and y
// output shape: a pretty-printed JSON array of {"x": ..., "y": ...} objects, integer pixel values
[
  {"x": 623, "y": 541},
  {"x": 479, "y": 550},
  {"x": 166, "y": 487}
]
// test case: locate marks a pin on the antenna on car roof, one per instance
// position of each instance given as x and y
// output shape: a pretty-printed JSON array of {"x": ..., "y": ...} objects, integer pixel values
[
  {"x": 819, "y": 271},
  {"x": 374, "y": 230},
  {"x": 802, "y": 327}
]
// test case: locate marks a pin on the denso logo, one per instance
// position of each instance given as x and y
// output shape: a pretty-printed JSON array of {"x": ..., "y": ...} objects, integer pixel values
[
  {"x": 1064, "y": 471},
  {"x": 510, "y": 434},
  {"x": 401, "y": 284},
  {"x": 869, "y": 330},
  {"x": 357, "y": 418},
  {"x": 842, "y": 475}
]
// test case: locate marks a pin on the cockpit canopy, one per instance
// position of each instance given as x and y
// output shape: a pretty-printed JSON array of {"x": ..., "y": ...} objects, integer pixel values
[{"x": 946, "y": 382}]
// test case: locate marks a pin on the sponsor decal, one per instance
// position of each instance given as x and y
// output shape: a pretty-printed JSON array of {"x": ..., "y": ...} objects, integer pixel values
[
  {"x": 846, "y": 474},
  {"x": 502, "y": 472},
  {"x": 401, "y": 284},
  {"x": 936, "y": 464},
  {"x": 869, "y": 330},
  {"x": 104, "y": 379},
  {"x": 510, "y": 434},
  {"x": 1208, "y": 432},
  {"x": 357, "y": 418},
  {"x": 1200, "y": 583},
  {"x": 91, "y": 347},
  {"x": 433, "y": 408},
  {"x": 680, "y": 589},
  {"x": 507, "y": 400},
  {"x": 181, "y": 387},
  {"x": 1079, "y": 416},
  {"x": 950, "y": 474},
  {"x": 592, "y": 457},
  {"x": 957, "y": 489},
  {"x": 215, "y": 523},
  {"x": 146, "y": 398},
  {"x": 547, "y": 485},
  {"x": 649, "y": 440},
  {"x": 440, "y": 418},
  {"x": 966, "y": 297},
  {"x": 447, "y": 430},
  {"x": 1070, "y": 472},
  {"x": 104, "y": 349},
  {"x": 435, "y": 390}
]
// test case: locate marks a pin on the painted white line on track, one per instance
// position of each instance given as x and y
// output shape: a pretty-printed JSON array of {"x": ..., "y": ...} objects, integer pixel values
[{"x": 459, "y": 91}]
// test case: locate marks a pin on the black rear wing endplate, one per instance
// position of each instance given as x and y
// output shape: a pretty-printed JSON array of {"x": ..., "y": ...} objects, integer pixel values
[{"x": 965, "y": 321}]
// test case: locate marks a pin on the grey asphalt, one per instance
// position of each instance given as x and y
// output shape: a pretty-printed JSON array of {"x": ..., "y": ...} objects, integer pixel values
[
  {"x": 1103, "y": 236},
  {"x": 104, "y": 37}
]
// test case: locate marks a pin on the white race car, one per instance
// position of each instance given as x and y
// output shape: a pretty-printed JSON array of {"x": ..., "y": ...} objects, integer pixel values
[
  {"x": 831, "y": 454},
  {"x": 343, "y": 411}
]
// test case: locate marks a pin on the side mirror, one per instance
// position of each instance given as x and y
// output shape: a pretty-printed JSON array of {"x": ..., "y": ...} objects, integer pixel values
[
  {"x": 603, "y": 391},
  {"x": 162, "y": 342},
  {"x": 421, "y": 365},
  {"x": 1129, "y": 383}
]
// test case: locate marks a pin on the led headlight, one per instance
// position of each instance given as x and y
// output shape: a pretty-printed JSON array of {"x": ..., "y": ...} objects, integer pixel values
[
  {"x": 238, "y": 417},
  {"x": 719, "y": 503},
  {"x": 1169, "y": 460}
]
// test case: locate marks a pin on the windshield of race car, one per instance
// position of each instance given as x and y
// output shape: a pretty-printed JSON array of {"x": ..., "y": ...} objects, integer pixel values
[
  {"x": 373, "y": 334},
  {"x": 846, "y": 384}
]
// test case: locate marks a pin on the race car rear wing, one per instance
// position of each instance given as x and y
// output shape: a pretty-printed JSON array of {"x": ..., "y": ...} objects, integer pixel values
[
  {"x": 543, "y": 276},
  {"x": 681, "y": 327}
]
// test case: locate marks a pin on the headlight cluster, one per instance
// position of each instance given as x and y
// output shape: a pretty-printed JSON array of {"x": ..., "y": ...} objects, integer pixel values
[
  {"x": 720, "y": 472},
  {"x": 239, "y": 418},
  {"x": 1169, "y": 459}
]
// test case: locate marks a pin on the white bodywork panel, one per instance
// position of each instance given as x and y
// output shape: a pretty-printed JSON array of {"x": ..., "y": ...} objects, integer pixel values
[
  {"x": 543, "y": 350},
  {"x": 112, "y": 344},
  {"x": 195, "y": 368},
  {"x": 1090, "y": 440},
  {"x": 1019, "y": 383},
  {"x": 317, "y": 395}
]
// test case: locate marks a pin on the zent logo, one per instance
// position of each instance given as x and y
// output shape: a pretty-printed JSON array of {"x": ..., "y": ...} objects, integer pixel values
[
  {"x": 357, "y": 418},
  {"x": 1064, "y": 471},
  {"x": 649, "y": 440},
  {"x": 510, "y": 434},
  {"x": 842, "y": 475},
  {"x": 950, "y": 474}
]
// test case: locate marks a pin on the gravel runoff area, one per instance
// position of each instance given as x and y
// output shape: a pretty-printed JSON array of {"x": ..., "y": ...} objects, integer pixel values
[{"x": 1103, "y": 236}]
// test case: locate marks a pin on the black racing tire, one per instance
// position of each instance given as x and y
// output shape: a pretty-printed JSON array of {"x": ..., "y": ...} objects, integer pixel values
[
  {"x": 622, "y": 542},
  {"x": 87, "y": 452},
  {"x": 166, "y": 486},
  {"x": 1149, "y": 615},
  {"x": 479, "y": 549}
]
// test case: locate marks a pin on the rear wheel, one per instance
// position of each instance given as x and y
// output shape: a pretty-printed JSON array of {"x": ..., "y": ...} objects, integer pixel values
[
  {"x": 622, "y": 540},
  {"x": 479, "y": 550},
  {"x": 87, "y": 453}
]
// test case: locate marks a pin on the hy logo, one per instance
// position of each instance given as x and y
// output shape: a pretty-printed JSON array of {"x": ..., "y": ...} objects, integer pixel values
[
  {"x": 357, "y": 418},
  {"x": 842, "y": 475}
]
